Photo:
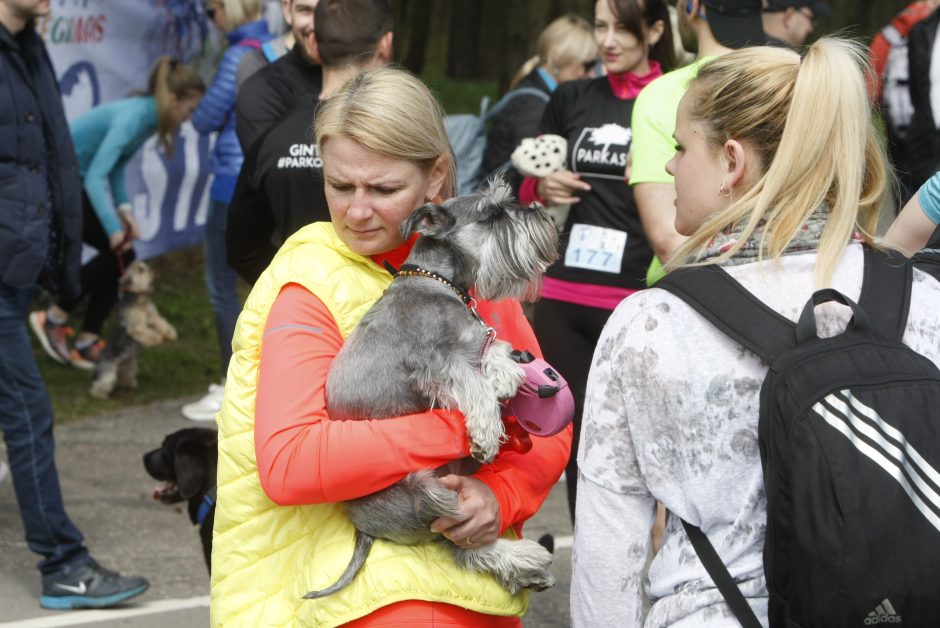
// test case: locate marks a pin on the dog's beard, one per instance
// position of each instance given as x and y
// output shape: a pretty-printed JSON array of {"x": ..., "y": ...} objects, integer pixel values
[{"x": 515, "y": 254}]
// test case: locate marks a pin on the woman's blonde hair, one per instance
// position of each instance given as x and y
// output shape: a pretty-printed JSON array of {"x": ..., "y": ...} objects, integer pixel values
[
  {"x": 169, "y": 78},
  {"x": 810, "y": 122},
  {"x": 567, "y": 39},
  {"x": 238, "y": 12},
  {"x": 392, "y": 113}
]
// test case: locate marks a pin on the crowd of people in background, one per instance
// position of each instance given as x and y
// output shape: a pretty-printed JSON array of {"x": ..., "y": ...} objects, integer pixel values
[{"x": 669, "y": 163}]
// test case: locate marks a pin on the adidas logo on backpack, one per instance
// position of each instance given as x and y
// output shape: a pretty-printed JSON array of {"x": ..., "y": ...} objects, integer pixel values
[
  {"x": 849, "y": 437},
  {"x": 883, "y": 614}
]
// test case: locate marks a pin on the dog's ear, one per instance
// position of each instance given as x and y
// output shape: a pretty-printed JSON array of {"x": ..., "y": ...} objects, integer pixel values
[
  {"x": 428, "y": 220},
  {"x": 192, "y": 468}
]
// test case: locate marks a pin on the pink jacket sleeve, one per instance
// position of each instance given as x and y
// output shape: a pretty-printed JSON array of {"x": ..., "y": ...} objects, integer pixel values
[{"x": 305, "y": 458}]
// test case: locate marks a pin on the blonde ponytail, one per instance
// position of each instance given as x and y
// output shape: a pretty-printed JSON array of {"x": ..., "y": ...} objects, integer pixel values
[
  {"x": 524, "y": 71},
  {"x": 158, "y": 87},
  {"x": 171, "y": 79},
  {"x": 810, "y": 123}
]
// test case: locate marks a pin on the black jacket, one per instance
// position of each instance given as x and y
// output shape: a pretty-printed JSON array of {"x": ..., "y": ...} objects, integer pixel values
[
  {"x": 923, "y": 143},
  {"x": 272, "y": 92},
  {"x": 38, "y": 166},
  {"x": 519, "y": 120},
  {"x": 279, "y": 190}
]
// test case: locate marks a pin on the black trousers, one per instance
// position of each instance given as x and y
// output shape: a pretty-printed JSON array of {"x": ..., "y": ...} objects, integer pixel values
[
  {"x": 568, "y": 333},
  {"x": 100, "y": 276}
]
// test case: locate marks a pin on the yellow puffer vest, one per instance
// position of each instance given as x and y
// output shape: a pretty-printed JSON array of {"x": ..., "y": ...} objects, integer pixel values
[{"x": 266, "y": 557}]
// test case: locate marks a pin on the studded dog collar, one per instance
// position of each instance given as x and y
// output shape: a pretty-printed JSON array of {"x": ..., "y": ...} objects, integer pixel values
[{"x": 412, "y": 270}]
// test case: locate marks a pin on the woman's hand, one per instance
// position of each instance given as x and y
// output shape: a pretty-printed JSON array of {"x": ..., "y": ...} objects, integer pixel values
[
  {"x": 478, "y": 518},
  {"x": 126, "y": 214},
  {"x": 559, "y": 187},
  {"x": 119, "y": 242}
]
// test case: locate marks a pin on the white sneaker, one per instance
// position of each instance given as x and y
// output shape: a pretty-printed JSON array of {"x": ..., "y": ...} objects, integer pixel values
[
  {"x": 206, "y": 408},
  {"x": 4, "y": 470}
]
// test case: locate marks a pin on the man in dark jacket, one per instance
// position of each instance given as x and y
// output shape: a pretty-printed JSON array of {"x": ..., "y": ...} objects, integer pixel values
[
  {"x": 40, "y": 244},
  {"x": 270, "y": 93},
  {"x": 280, "y": 187}
]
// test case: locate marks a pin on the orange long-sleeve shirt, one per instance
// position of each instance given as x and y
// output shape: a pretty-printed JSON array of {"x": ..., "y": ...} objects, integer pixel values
[{"x": 306, "y": 458}]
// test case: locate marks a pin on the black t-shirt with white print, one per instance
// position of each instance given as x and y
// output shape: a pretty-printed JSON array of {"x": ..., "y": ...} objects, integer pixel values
[
  {"x": 279, "y": 190},
  {"x": 603, "y": 241}
]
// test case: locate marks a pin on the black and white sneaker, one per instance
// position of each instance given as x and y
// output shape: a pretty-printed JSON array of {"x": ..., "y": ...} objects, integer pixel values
[{"x": 89, "y": 586}]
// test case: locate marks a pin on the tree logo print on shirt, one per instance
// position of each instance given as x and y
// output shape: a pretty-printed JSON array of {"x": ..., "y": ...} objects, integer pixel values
[{"x": 602, "y": 151}]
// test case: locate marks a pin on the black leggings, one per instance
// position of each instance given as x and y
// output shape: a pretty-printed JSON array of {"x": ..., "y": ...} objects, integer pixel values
[
  {"x": 99, "y": 277},
  {"x": 568, "y": 334}
]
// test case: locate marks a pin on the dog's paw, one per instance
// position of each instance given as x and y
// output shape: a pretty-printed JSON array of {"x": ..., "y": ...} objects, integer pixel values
[
  {"x": 98, "y": 392},
  {"x": 483, "y": 454},
  {"x": 147, "y": 338},
  {"x": 534, "y": 582},
  {"x": 486, "y": 435},
  {"x": 527, "y": 567},
  {"x": 503, "y": 373}
]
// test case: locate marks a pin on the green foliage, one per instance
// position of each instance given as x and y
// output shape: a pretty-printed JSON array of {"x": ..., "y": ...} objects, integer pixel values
[
  {"x": 461, "y": 96},
  {"x": 184, "y": 367}
]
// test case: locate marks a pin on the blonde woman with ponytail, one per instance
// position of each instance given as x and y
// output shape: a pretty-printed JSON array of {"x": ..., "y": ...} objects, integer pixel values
[
  {"x": 779, "y": 179},
  {"x": 566, "y": 51},
  {"x": 105, "y": 139}
]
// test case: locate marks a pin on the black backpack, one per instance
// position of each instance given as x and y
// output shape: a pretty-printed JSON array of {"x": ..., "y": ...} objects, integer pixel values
[{"x": 849, "y": 436}]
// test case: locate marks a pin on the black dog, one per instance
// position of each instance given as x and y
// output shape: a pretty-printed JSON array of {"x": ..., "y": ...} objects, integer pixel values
[{"x": 186, "y": 464}]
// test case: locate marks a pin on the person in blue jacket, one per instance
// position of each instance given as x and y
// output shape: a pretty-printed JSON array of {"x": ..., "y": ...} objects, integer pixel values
[
  {"x": 105, "y": 138},
  {"x": 245, "y": 31},
  {"x": 40, "y": 245}
]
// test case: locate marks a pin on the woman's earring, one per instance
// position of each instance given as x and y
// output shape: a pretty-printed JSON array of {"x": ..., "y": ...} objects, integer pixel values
[{"x": 723, "y": 190}]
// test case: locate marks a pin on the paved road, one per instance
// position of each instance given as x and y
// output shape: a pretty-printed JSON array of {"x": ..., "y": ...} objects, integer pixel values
[{"x": 108, "y": 494}]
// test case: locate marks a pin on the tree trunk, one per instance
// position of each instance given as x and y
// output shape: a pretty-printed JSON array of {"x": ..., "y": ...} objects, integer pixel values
[
  {"x": 419, "y": 27},
  {"x": 463, "y": 58}
]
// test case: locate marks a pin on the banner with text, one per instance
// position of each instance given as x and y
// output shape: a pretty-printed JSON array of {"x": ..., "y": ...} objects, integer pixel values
[{"x": 103, "y": 50}]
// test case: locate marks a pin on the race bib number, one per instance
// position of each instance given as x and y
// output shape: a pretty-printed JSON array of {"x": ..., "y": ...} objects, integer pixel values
[{"x": 595, "y": 248}]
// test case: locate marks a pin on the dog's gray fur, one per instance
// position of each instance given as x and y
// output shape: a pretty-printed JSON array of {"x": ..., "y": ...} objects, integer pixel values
[
  {"x": 138, "y": 324},
  {"x": 419, "y": 346}
]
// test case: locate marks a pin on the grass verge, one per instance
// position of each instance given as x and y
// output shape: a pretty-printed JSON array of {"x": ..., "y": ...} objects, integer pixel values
[{"x": 184, "y": 367}]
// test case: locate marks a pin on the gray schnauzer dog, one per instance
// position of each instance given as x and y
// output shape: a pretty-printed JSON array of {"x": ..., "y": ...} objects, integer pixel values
[
  {"x": 138, "y": 324},
  {"x": 423, "y": 345}
]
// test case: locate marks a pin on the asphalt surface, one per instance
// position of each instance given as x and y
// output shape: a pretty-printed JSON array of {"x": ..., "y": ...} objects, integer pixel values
[{"x": 109, "y": 496}]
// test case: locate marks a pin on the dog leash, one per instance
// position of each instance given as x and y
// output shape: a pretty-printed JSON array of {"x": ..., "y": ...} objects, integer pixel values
[
  {"x": 120, "y": 254},
  {"x": 412, "y": 270}
]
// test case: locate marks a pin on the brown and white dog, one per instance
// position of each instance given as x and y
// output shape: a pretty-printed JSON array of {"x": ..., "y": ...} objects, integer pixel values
[{"x": 138, "y": 324}]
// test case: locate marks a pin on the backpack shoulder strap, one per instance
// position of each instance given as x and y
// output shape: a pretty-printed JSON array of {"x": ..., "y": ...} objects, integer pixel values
[
  {"x": 510, "y": 95},
  {"x": 721, "y": 576},
  {"x": 928, "y": 260},
  {"x": 885, "y": 297},
  {"x": 886, "y": 292},
  {"x": 729, "y": 306}
]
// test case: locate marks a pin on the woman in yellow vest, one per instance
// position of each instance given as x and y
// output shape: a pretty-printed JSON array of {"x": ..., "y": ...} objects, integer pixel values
[{"x": 284, "y": 465}]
